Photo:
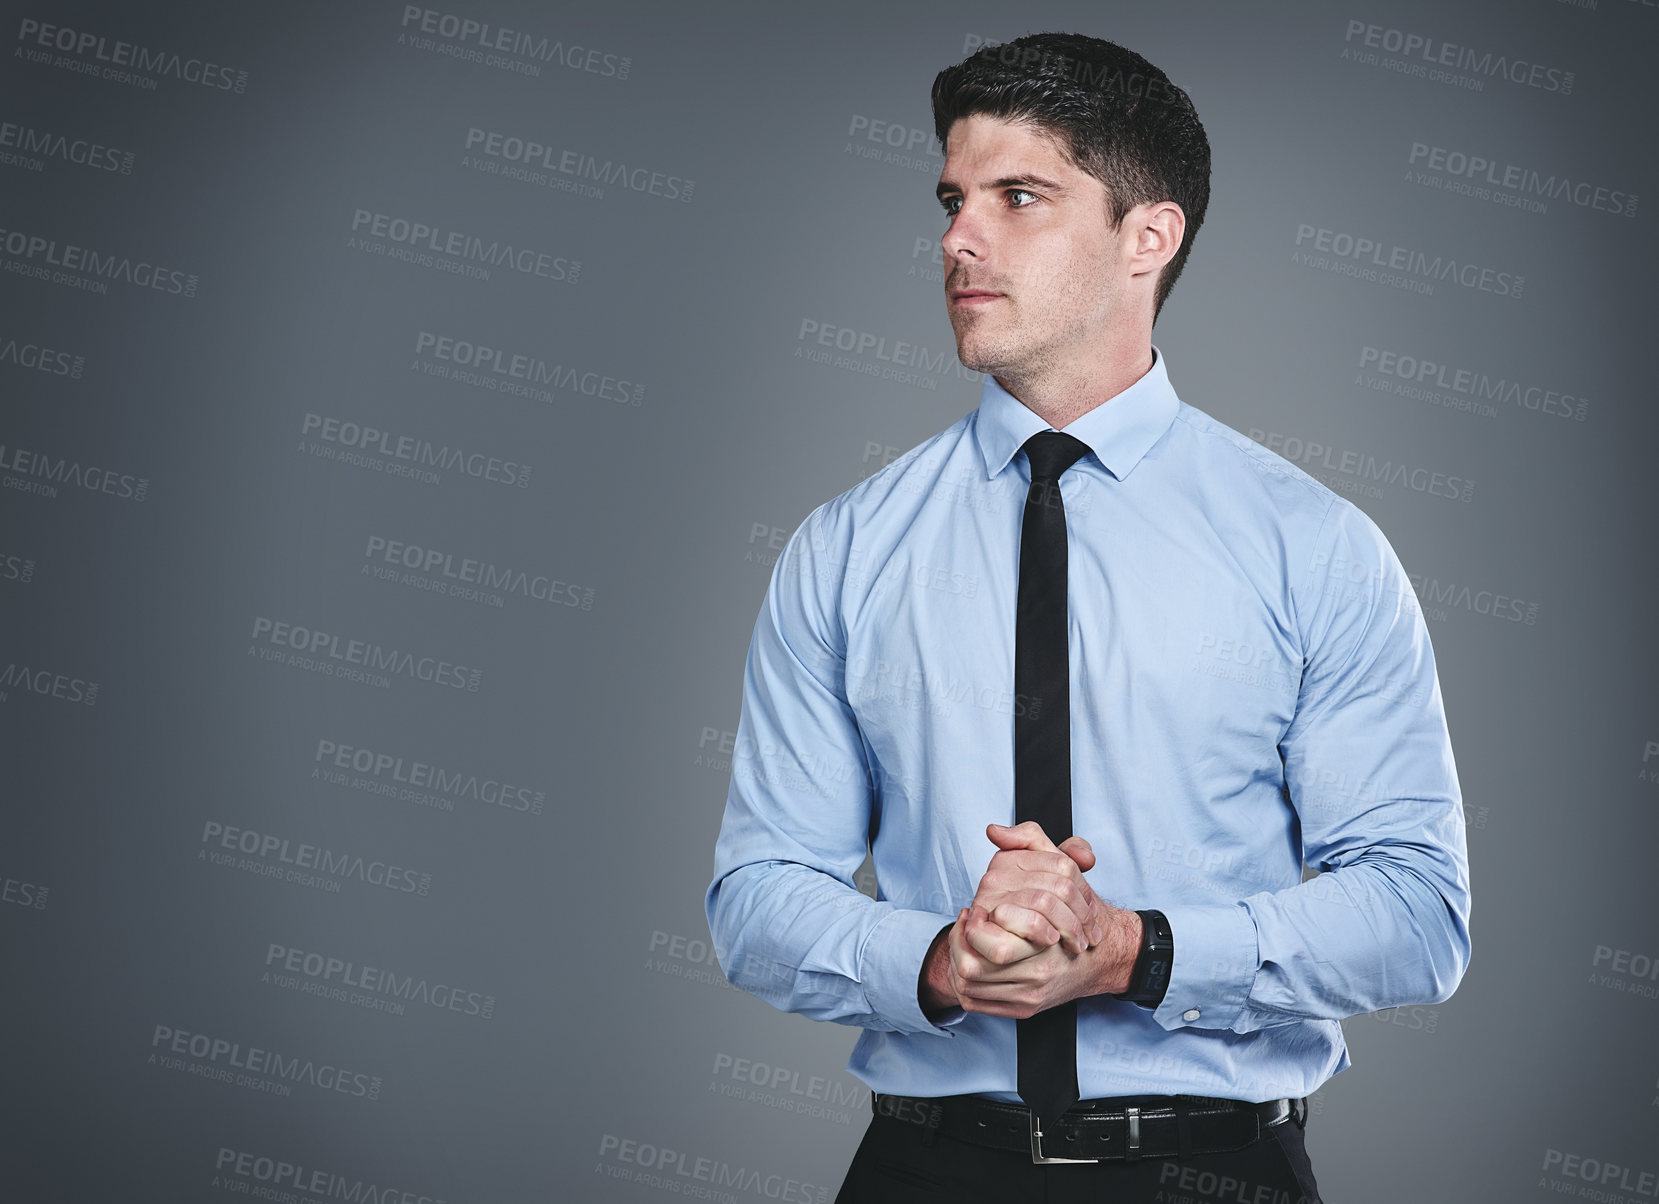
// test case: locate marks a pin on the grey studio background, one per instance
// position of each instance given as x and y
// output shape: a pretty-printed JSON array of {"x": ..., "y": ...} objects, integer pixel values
[{"x": 404, "y": 406}]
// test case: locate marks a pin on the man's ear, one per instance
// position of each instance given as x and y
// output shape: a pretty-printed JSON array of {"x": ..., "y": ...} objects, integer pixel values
[{"x": 1157, "y": 230}]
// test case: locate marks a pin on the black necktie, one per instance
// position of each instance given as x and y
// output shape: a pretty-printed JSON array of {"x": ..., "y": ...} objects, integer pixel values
[{"x": 1042, "y": 740}]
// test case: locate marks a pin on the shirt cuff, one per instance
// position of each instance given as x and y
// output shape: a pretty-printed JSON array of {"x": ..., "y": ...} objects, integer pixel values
[
  {"x": 1215, "y": 966},
  {"x": 892, "y": 963}
]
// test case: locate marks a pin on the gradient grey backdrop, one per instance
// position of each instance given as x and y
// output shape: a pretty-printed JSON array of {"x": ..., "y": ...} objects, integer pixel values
[{"x": 564, "y": 1032}]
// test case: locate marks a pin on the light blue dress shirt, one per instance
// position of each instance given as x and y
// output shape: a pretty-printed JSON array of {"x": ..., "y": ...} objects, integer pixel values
[{"x": 1252, "y": 689}]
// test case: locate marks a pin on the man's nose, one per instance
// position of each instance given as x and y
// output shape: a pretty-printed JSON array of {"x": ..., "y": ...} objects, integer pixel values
[{"x": 964, "y": 239}]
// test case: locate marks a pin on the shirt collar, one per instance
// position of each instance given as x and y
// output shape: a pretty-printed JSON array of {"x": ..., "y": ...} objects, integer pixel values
[{"x": 1119, "y": 431}]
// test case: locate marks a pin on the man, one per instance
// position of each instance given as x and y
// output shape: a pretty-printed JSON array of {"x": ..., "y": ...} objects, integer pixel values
[{"x": 1143, "y": 627}]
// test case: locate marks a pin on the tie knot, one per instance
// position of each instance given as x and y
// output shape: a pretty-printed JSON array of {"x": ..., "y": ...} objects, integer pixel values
[{"x": 1050, "y": 453}]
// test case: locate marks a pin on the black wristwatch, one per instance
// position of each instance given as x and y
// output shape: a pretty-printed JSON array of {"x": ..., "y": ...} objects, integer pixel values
[{"x": 1150, "y": 978}]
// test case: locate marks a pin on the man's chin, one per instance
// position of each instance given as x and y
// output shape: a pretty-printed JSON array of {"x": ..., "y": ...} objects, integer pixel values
[{"x": 977, "y": 357}]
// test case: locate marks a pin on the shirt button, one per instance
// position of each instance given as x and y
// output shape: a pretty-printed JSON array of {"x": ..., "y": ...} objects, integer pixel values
[{"x": 1190, "y": 1015}]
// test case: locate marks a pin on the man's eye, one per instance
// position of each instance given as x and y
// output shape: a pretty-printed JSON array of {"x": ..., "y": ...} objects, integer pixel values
[
  {"x": 951, "y": 204},
  {"x": 1015, "y": 193}
]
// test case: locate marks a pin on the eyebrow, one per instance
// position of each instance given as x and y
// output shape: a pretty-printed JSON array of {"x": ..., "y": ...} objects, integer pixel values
[{"x": 1026, "y": 181}]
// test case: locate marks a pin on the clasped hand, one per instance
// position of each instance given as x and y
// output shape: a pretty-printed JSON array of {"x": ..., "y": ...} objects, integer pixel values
[{"x": 1035, "y": 934}]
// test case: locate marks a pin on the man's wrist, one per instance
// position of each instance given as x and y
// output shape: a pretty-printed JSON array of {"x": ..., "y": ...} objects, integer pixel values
[
  {"x": 933, "y": 986},
  {"x": 1119, "y": 950},
  {"x": 1154, "y": 958}
]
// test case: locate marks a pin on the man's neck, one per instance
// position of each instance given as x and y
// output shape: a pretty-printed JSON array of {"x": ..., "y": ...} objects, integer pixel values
[{"x": 1061, "y": 395}]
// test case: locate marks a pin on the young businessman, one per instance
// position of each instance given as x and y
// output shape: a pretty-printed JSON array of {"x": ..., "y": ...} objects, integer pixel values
[{"x": 1091, "y": 677}]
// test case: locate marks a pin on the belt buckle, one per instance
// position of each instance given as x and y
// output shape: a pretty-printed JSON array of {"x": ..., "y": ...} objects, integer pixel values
[{"x": 1041, "y": 1159}]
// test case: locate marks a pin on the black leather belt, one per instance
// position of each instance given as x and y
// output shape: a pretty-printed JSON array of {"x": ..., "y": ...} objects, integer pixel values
[{"x": 1123, "y": 1129}]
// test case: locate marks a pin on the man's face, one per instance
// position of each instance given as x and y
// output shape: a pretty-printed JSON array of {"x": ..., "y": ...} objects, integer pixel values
[{"x": 1033, "y": 272}]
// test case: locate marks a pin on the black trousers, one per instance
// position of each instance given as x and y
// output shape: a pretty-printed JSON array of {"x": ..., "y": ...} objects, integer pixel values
[{"x": 902, "y": 1162}]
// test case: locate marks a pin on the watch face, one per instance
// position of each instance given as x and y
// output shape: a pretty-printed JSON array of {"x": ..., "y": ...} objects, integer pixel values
[{"x": 1149, "y": 979}]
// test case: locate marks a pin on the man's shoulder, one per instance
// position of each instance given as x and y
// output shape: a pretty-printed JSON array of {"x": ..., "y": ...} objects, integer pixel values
[
  {"x": 1241, "y": 458},
  {"x": 930, "y": 459},
  {"x": 1321, "y": 526}
]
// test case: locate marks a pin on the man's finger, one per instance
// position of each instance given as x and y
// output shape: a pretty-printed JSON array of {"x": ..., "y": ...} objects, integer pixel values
[
  {"x": 969, "y": 968},
  {"x": 1047, "y": 861},
  {"x": 1079, "y": 850},
  {"x": 1032, "y": 927},
  {"x": 994, "y": 941},
  {"x": 1037, "y": 861},
  {"x": 1077, "y": 928},
  {"x": 1029, "y": 835},
  {"x": 1015, "y": 863},
  {"x": 1066, "y": 901},
  {"x": 1013, "y": 870}
]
